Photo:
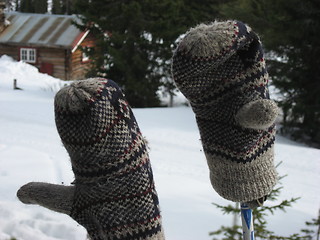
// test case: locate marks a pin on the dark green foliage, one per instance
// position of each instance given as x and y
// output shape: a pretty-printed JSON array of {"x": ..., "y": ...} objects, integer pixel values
[
  {"x": 260, "y": 214},
  {"x": 26, "y": 6},
  {"x": 40, "y": 6},
  {"x": 56, "y": 7},
  {"x": 290, "y": 31},
  {"x": 125, "y": 46},
  {"x": 129, "y": 58},
  {"x": 17, "y": 3},
  {"x": 311, "y": 234},
  {"x": 136, "y": 41},
  {"x": 63, "y": 7},
  {"x": 33, "y": 6}
]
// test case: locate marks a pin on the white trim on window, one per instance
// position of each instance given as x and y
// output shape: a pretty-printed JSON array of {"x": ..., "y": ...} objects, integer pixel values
[
  {"x": 28, "y": 55},
  {"x": 85, "y": 57}
]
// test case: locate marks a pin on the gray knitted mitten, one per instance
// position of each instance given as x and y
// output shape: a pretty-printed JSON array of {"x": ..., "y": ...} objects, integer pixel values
[
  {"x": 220, "y": 69},
  {"x": 113, "y": 196}
]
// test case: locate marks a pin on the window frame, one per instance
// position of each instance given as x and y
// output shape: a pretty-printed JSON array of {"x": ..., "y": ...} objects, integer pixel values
[
  {"x": 28, "y": 55},
  {"x": 85, "y": 58}
]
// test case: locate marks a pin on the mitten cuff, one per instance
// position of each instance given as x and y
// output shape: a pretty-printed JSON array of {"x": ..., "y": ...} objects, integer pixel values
[{"x": 243, "y": 182}]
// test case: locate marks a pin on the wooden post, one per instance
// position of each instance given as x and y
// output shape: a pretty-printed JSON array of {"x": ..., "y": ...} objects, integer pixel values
[
  {"x": 171, "y": 95},
  {"x": 15, "y": 87},
  {"x": 14, "y": 84}
]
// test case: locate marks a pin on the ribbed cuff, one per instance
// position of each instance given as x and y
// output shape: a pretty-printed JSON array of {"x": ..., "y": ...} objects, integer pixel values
[{"x": 243, "y": 182}]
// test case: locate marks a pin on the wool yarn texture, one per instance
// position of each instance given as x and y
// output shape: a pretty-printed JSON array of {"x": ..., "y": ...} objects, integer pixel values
[
  {"x": 114, "y": 194},
  {"x": 220, "y": 68}
]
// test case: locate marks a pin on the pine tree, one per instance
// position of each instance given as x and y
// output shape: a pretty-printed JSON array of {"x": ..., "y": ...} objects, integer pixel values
[
  {"x": 260, "y": 215},
  {"x": 67, "y": 7},
  {"x": 137, "y": 39},
  {"x": 40, "y": 6},
  {"x": 131, "y": 51},
  {"x": 26, "y": 6},
  {"x": 33, "y": 6},
  {"x": 56, "y": 7},
  {"x": 17, "y": 5}
]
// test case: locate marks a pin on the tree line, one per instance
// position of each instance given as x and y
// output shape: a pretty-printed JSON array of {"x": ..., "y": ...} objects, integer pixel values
[
  {"x": 136, "y": 40},
  {"x": 42, "y": 6}
]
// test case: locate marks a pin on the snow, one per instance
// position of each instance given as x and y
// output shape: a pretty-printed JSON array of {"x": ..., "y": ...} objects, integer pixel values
[{"x": 31, "y": 150}]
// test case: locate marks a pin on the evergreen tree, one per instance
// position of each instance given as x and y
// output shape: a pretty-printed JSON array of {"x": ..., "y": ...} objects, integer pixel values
[
  {"x": 33, "y": 6},
  {"x": 290, "y": 31},
  {"x": 169, "y": 21},
  {"x": 56, "y": 7},
  {"x": 63, "y": 7},
  {"x": 40, "y": 6},
  {"x": 127, "y": 47},
  {"x": 68, "y": 7},
  {"x": 260, "y": 222},
  {"x": 17, "y": 5},
  {"x": 137, "y": 39},
  {"x": 26, "y": 6}
]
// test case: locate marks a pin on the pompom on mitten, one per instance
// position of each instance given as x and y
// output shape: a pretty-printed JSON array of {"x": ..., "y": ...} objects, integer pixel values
[
  {"x": 113, "y": 196},
  {"x": 220, "y": 68}
]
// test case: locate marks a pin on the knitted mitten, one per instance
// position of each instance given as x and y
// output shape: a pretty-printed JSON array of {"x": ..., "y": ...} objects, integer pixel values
[
  {"x": 220, "y": 69},
  {"x": 113, "y": 196}
]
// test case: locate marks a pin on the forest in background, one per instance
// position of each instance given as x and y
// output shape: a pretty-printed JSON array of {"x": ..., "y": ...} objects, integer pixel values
[{"x": 136, "y": 40}]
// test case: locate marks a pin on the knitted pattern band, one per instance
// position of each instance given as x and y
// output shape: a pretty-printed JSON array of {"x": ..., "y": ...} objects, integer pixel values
[
  {"x": 220, "y": 68},
  {"x": 115, "y": 196}
]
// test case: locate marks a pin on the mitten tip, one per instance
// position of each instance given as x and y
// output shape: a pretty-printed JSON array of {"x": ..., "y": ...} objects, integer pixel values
[
  {"x": 77, "y": 96},
  {"x": 207, "y": 40},
  {"x": 23, "y": 194}
]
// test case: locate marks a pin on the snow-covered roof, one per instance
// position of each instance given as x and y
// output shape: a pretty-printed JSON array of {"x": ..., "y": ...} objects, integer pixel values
[{"x": 48, "y": 30}]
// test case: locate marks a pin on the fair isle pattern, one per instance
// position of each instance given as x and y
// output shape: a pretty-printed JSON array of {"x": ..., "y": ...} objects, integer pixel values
[
  {"x": 115, "y": 196},
  {"x": 218, "y": 83}
]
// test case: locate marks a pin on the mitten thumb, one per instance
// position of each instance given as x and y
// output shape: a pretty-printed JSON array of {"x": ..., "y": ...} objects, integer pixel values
[
  {"x": 55, "y": 197},
  {"x": 259, "y": 114}
]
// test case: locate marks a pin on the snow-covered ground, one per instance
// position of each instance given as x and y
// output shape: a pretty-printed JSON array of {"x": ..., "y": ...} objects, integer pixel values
[{"x": 30, "y": 150}]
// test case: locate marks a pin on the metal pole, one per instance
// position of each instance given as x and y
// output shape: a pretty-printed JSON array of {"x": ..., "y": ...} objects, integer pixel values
[{"x": 247, "y": 222}]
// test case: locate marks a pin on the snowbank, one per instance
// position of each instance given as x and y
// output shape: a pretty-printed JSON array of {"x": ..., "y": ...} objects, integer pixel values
[
  {"x": 30, "y": 150},
  {"x": 27, "y": 76}
]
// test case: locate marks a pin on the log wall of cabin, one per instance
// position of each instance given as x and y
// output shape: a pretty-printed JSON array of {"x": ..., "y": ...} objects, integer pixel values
[
  {"x": 65, "y": 65},
  {"x": 56, "y": 57},
  {"x": 79, "y": 68},
  {"x": 11, "y": 51}
]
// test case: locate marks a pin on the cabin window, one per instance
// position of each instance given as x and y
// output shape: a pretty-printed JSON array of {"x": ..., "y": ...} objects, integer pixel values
[
  {"x": 28, "y": 55},
  {"x": 85, "y": 57}
]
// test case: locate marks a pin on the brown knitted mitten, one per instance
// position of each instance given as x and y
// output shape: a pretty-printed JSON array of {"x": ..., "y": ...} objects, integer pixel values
[
  {"x": 113, "y": 196},
  {"x": 220, "y": 68}
]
